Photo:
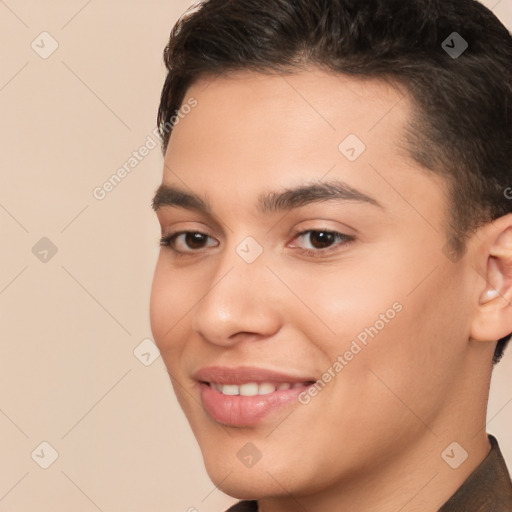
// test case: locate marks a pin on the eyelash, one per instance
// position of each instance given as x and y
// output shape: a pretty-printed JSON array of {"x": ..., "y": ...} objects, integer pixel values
[{"x": 168, "y": 241}]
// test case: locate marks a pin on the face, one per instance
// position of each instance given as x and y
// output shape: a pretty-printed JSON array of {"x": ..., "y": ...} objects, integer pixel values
[{"x": 302, "y": 295}]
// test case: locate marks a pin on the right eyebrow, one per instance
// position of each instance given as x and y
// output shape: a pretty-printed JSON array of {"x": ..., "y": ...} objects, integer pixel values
[{"x": 173, "y": 196}]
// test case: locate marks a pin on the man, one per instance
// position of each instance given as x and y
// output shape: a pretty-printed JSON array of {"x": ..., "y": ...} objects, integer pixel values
[{"x": 334, "y": 282}]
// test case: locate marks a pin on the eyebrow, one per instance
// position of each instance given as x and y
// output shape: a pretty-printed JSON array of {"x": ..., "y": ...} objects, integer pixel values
[{"x": 268, "y": 202}]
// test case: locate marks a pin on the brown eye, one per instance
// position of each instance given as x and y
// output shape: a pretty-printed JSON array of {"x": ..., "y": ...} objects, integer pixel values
[
  {"x": 321, "y": 239},
  {"x": 319, "y": 242},
  {"x": 195, "y": 240},
  {"x": 187, "y": 242}
]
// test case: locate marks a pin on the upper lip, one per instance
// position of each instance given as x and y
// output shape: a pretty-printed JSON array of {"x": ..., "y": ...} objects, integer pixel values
[{"x": 243, "y": 374}]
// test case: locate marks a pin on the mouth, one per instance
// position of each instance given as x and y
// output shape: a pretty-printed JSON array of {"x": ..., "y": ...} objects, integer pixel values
[{"x": 247, "y": 396}]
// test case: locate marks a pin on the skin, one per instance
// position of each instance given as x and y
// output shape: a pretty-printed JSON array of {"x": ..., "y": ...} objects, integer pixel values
[{"x": 372, "y": 439}]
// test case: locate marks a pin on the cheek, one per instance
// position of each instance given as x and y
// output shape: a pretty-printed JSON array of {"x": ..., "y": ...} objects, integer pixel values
[
  {"x": 418, "y": 355},
  {"x": 172, "y": 297},
  {"x": 388, "y": 321},
  {"x": 342, "y": 303}
]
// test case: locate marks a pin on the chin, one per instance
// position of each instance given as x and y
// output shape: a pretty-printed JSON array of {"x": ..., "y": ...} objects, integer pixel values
[
  {"x": 244, "y": 485},
  {"x": 228, "y": 472},
  {"x": 266, "y": 479}
]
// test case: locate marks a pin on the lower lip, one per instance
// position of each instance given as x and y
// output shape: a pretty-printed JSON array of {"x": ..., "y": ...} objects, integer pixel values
[{"x": 243, "y": 411}]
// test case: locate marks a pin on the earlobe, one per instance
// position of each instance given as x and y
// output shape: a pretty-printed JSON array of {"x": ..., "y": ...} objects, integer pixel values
[
  {"x": 489, "y": 295},
  {"x": 493, "y": 319},
  {"x": 496, "y": 285}
]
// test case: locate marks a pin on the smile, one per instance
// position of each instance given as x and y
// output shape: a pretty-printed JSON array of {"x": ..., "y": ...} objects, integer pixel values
[{"x": 244, "y": 396}]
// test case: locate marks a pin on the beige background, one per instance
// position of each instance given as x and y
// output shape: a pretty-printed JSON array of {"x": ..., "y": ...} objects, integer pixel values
[{"x": 70, "y": 325}]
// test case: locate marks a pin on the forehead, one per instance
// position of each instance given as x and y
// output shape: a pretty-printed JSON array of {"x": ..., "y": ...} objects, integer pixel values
[
  {"x": 251, "y": 131},
  {"x": 300, "y": 103}
]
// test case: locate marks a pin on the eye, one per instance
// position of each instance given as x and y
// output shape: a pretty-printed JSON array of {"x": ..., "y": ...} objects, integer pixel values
[
  {"x": 187, "y": 242},
  {"x": 318, "y": 242}
]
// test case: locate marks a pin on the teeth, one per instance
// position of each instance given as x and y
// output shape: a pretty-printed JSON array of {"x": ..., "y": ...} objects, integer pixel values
[
  {"x": 230, "y": 389},
  {"x": 266, "y": 388},
  {"x": 253, "y": 388},
  {"x": 249, "y": 389}
]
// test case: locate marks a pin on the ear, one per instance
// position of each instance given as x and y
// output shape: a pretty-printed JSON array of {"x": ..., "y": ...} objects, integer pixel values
[{"x": 493, "y": 318}]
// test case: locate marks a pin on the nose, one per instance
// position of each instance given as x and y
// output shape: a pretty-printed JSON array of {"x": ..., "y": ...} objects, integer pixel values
[{"x": 239, "y": 304}]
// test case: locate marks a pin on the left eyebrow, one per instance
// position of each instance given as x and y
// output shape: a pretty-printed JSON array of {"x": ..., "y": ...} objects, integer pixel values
[
  {"x": 268, "y": 202},
  {"x": 298, "y": 197}
]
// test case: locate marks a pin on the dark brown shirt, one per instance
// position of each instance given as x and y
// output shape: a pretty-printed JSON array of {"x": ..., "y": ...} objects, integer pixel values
[{"x": 487, "y": 489}]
